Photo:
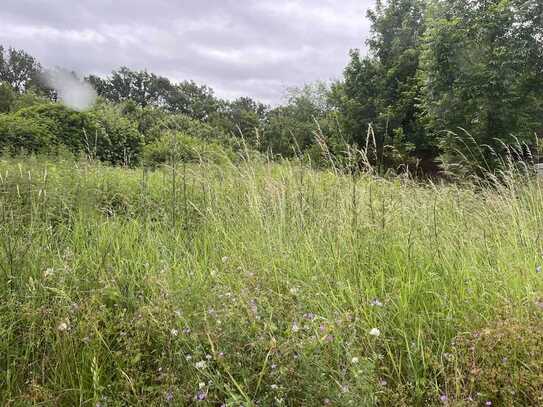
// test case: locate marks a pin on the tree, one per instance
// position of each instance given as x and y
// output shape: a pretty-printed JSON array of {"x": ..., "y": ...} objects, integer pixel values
[
  {"x": 142, "y": 87},
  {"x": 242, "y": 117},
  {"x": 18, "y": 69},
  {"x": 191, "y": 99},
  {"x": 381, "y": 89},
  {"x": 291, "y": 129},
  {"x": 481, "y": 77}
]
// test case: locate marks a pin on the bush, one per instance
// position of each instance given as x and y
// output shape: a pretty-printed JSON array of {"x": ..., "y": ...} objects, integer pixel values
[
  {"x": 24, "y": 134},
  {"x": 67, "y": 127},
  {"x": 115, "y": 139},
  {"x": 175, "y": 146},
  {"x": 184, "y": 124},
  {"x": 7, "y": 98},
  {"x": 102, "y": 133},
  {"x": 501, "y": 364}
]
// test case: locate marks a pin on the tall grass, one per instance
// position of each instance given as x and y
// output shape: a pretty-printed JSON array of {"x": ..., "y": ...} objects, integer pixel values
[{"x": 265, "y": 284}]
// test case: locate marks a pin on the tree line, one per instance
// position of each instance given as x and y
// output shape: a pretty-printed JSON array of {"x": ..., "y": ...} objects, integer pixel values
[{"x": 445, "y": 86}]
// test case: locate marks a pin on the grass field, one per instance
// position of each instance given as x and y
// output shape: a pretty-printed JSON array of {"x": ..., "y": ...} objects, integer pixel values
[{"x": 266, "y": 284}]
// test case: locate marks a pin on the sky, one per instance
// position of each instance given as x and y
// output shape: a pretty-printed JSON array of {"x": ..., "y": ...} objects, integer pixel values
[{"x": 255, "y": 48}]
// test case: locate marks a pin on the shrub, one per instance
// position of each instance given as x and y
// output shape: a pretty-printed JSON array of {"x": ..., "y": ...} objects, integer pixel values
[
  {"x": 115, "y": 139},
  {"x": 24, "y": 134},
  {"x": 68, "y": 127},
  {"x": 501, "y": 364},
  {"x": 184, "y": 124},
  {"x": 7, "y": 98},
  {"x": 176, "y": 146}
]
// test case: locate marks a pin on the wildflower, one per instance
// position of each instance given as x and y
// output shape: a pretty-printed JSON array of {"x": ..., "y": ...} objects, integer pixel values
[
  {"x": 174, "y": 332},
  {"x": 327, "y": 402},
  {"x": 201, "y": 395},
  {"x": 309, "y": 316},
  {"x": 273, "y": 366},
  {"x": 201, "y": 385},
  {"x": 208, "y": 357},
  {"x": 488, "y": 403},
  {"x": 375, "y": 332},
  {"x": 64, "y": 326},
  {"x": 169, "y": 396},
  {"x": 186, "y": 331},
  {"x": 294, "y": 290},
  {"x": 201, "y": 364},
  {"x": 188, "y": 357},
  {"x": 225, "y": 259},
  {"x": 48, "y": 272},
  {"x": 355, "y": 360},
  {"x": 383, "y": 382},
  {"x": 538, "y": 269},
  {"x": 322, "y": 328},
  {"x": 443, "y": 398},
  {"x": 295, "y": 327},
  {"x": 274, "y": 387},
  {"x": 376, "y": 303}
]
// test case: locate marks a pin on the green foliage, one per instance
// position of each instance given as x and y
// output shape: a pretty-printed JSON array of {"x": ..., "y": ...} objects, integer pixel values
[
  {"x": 103, "y": 133},
  {"x": 7, "y": 98},
  {"x": 115, "y": 139},
  {"x": 241, "y": 118},
  {"x": 67, "y": 127},
  {"x": 18, "y": 69},
  {"x": 481, "y": 73},
  {"x": 381, "y": 89},
  {"x": 147, "y": 288},
  {"x": 149, "y": 90},
  {"x": 174, "y": 146},
  {"x": 500, "y": 363},
  {"x": 141, "y": 87},
  {"x": 21, "y": 134},
  {"x": 292, "y": 129}
]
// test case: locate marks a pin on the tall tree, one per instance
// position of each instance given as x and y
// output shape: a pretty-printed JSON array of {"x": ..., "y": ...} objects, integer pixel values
[
  {"x": 142, "y": 87},
  {"x": 482, "y": 72},
  {"x": 381, "y": 89},
  {"x": 18, "y": 69},
  {"x": 196, "y": 101}
]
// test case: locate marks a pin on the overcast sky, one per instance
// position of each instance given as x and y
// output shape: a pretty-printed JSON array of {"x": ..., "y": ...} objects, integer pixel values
[{"x": 256, "y": 48}]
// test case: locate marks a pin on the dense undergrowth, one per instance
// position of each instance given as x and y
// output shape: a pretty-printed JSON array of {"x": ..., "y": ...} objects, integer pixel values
[{"x": 266, "y": 284}]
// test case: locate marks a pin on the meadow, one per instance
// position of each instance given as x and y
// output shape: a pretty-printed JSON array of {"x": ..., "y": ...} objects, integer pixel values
[{"x": 266, "y": 284}]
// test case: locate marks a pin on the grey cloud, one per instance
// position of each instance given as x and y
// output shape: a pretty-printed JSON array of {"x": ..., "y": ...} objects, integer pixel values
[{"x": 254, "y": 48}]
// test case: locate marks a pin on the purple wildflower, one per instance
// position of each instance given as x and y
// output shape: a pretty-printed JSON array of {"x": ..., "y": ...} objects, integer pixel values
[
  {"x": 309, "y": 316},
  {"x": 201, "y": 395},
  {"x": 169, "y": 396},
  {"x": 444, "y": 398}
]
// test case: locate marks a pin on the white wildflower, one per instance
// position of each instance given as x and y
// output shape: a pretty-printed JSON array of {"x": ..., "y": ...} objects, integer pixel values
[
  {"x": 64, "y": 326},
  {"x": 375, "y": 332},
  {"x": 201, "y": 364}
]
